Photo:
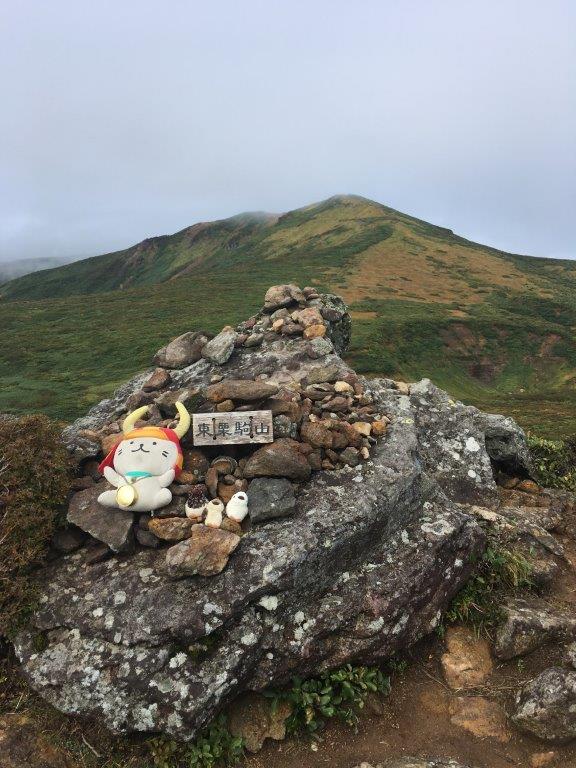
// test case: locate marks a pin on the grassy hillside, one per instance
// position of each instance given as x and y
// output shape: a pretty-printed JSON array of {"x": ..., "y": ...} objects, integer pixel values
[{"x": 494, "y": 328}]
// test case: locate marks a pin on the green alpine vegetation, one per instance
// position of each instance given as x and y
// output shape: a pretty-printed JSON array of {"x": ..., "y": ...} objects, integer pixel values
[{"x": 495, "y": 329}]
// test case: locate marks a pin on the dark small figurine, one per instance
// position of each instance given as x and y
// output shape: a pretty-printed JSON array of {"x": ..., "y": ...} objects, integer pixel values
[{"x": 196, "y": 502}]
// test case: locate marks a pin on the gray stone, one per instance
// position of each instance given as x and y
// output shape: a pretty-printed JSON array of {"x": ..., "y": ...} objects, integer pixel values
[
  {"x": 254, "y": 340},
  {"x": 269, "y": 498},
  {"x": 81, "y": 447},
  {"x": 546, "y": 706},
  {"x": 182, "y": 351},
  {"x": 221, "y": 347},
  {"x": 529, "y": 624},
  {"x": 188, "y": 396},
  {"x": 350, "y": 456},
  {"x": 571, "y": 654},
  {"x": 415, "y": 762},
  {"x": 335, "y": 311},
  {"x": 284, "y": 427},
  {"x": 113, "y": 527},
  {"x": 323, "y": 373},
  {"x": 240, "y": 389},
  {"x": 319, "y": 347}
]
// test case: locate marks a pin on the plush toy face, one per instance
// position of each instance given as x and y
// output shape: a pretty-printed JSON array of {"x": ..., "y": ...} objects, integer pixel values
[{"x": 145, "y": 454}]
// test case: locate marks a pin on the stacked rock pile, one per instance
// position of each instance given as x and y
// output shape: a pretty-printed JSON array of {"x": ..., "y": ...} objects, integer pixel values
[
  {"x": 283, "y": 359},
  {"x": 361, "y": 561}
]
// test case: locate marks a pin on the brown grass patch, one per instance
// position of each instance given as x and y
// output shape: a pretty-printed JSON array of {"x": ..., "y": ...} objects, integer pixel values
[{"x": 418, "y": 269}]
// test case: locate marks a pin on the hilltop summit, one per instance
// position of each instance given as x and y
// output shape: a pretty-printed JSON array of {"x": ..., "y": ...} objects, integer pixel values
[{"x": 493, "y": 328}]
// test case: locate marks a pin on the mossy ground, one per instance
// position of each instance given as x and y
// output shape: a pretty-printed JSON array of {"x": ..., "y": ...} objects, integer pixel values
[{"x": 35, "y": 475}]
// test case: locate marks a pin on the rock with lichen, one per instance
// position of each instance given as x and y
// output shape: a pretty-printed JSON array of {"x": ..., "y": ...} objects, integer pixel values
[{"x": 374, "y": 534}]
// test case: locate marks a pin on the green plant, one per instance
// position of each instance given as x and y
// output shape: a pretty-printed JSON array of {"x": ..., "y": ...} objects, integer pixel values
[
  {"x": 215, "y": 745},
  {"x": 340, "y": 693},
  {"x": 34, "y": 482},
  {"x": 554, "y": 462},
  {"x": 397, "y": 666},
  {"x": 499, "y": 572}
]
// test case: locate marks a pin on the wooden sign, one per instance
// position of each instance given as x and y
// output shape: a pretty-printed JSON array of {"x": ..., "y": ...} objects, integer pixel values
[{"x": 236, "y": 427}]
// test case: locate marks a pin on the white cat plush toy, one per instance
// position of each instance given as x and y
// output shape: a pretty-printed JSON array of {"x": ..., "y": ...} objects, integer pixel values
[{"x": 143, "y": 463}]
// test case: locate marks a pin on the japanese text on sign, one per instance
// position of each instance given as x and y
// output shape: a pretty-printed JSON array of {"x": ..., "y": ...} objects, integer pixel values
[{"x": 233, "y": 427}]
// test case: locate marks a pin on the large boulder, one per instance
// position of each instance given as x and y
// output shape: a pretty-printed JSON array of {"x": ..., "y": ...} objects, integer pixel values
[{"x": 365, "y": 564}]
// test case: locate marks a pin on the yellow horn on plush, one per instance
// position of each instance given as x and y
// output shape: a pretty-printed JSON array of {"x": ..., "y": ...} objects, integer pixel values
[
  {"x": 184, "y": 421},
  {"x": 132, "y": 418}
]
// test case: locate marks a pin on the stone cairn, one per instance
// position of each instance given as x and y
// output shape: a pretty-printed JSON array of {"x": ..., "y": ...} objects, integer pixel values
[
  {"x": 322, "y": 417},
  {"x": 367, "y": 514}
]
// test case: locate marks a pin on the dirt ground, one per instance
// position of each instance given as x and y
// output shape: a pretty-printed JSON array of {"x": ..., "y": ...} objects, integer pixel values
[{"x": 415, "y": 721}]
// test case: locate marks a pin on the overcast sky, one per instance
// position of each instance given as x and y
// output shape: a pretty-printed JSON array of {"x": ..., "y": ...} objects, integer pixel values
[{"x": 122, "y": 119}]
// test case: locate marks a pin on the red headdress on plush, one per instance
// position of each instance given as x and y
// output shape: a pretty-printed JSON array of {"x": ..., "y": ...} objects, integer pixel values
[{"x": 160, "y": 433}]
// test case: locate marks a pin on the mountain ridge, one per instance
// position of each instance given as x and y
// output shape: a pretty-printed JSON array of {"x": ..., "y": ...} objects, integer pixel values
[
  {"x": 495, "y": 329},
  {"x": 165, "y": 257}
]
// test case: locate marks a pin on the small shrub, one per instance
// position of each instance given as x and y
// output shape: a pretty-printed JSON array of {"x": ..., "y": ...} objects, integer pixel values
[
  {"x": 499, "y": 572},
  {"x": 215, "y": 745},
  {"x": 554, "y": 462},
  {"x": 397, "y": 666},
  {"x": 34, "y": 481},
  {"x": 340, "y": 693}
]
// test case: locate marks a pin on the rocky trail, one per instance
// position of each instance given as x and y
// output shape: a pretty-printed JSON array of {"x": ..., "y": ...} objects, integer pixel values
[{"x": 376, "y": 505}]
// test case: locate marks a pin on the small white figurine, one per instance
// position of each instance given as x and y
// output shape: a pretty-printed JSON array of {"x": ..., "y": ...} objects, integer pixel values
[
  {"x": 143, "y": 463},
  {"x": 196, "y": 503},
  {"x": 214, "y": 510},
  {"x": 237, "y": 507}
]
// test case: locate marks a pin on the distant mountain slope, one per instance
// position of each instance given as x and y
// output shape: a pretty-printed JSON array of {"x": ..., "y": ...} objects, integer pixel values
[
  {"x": 10, "y": 270},
  {"x": 380, "y": 250},
  {"x": 494, "y": 328}
]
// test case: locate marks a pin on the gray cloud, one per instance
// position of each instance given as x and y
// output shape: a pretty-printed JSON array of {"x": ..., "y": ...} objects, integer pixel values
[{"x": 124, "y": 120}]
